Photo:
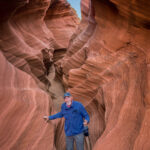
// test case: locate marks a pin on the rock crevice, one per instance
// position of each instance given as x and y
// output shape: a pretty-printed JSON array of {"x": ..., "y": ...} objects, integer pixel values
[{"x": 103, "y": 60}]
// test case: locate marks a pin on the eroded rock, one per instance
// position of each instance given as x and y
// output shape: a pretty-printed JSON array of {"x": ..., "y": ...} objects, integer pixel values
[
  {"x": 106, "y": 68},
  {"x": 105, "y": 65}
]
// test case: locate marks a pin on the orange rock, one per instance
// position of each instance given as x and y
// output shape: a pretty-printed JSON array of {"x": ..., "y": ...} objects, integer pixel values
[
  {"x": 106, "y": 67},
  {"x": 27, "y": 44},
  {"x": 22, "y": 107},
  {"x": 104, "y": 64}
]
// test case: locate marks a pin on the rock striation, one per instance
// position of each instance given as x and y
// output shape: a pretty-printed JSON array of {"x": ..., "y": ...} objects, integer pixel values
[
  {"x": 23, "y": 105},
  {"x": 103, "y": 60},
  {"x": 106, "y": 67},
  {"x": 27, "y": 45}
]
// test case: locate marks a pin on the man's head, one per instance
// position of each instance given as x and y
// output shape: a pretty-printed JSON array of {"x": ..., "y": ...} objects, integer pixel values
[{"x": 68, "y": 98}]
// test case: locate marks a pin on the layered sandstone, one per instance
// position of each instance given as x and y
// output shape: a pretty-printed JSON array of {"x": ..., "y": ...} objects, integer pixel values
[
  {"x": 27, "y": 45},
  {"x": 22, "y": 106},
  {"x": 104, "y": 63},
  {"x": 106, "y": 67}
]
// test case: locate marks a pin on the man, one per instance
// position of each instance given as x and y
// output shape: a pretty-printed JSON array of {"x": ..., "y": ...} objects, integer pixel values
[{"x": 75, "y": 118}]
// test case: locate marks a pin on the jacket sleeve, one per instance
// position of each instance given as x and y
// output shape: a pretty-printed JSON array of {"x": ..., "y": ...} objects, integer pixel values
[
  {"x": 84, "y": 113},
  {"x": 55, "y": 116}
]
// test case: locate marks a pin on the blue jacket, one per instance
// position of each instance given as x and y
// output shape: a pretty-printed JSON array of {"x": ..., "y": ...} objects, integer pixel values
[{"x": 74, "y": 116}]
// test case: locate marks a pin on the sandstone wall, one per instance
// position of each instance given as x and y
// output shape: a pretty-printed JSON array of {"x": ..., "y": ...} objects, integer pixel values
[
  {"x": 106, "y": 67},
  {"x": 27, "y": 45},
  {"x": 22, "y": 106},
  {"x": 103, "y": 62}
]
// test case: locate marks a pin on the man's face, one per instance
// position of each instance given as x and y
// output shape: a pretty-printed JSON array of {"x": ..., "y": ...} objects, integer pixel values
[{"x": 68, "y": 100}]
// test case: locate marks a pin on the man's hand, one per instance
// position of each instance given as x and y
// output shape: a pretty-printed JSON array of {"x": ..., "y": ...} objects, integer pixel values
[
  {"x": 46, "y": 118},
  {"x": 85, "y": 122}
]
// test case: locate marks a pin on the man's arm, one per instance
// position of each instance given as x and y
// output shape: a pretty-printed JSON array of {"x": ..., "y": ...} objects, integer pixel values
[
  {"x": 57, "y": 115},
  {"x": 84, "y": 114}
]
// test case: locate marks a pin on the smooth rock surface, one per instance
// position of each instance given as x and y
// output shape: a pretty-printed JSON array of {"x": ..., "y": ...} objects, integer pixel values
[
  {"x": 104, "y": 61},
  {"x": 27, "y": 46},
  {"x": 106, "y": 67}
]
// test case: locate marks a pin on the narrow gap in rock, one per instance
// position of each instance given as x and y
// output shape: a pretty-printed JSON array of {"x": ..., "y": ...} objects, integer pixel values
[
  {"x": 56, "y": 88},
  {"x": 75, "y": 4}
]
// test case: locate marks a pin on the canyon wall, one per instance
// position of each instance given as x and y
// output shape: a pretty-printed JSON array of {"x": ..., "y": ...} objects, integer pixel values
[
  {"x": 106, "y": 67},
  {"x": 28, "y": 40},
  {"x": 104, "y": 61}
]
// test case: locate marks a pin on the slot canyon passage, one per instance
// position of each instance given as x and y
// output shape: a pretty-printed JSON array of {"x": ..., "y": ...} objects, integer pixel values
[{"x": 102, "y": 60}]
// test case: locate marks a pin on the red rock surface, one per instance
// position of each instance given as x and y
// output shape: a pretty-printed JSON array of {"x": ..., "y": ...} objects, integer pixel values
[
  {"x": 27, "y": 45},
  {"x": 61, "y": 21},
  {"x": 105, "y": 65},
  {"x": 22, "y": 106}
]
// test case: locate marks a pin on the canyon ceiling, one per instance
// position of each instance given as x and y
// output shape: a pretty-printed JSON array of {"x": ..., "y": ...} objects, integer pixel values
[{"x": 103, "y": 60}]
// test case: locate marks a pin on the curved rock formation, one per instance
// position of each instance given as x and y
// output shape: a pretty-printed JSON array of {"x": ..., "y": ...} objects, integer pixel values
[
  {"x": 62, "y": 21},
  {"x": 104, "y": 62},
  {"x": 27, "y": 46},
  {"x": 106, "y": 67},
  {"x": 23, "y": 105}
]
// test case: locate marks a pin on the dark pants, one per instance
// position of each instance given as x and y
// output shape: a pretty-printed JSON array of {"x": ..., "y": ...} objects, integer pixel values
[{"x": 79, "y": 140}]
